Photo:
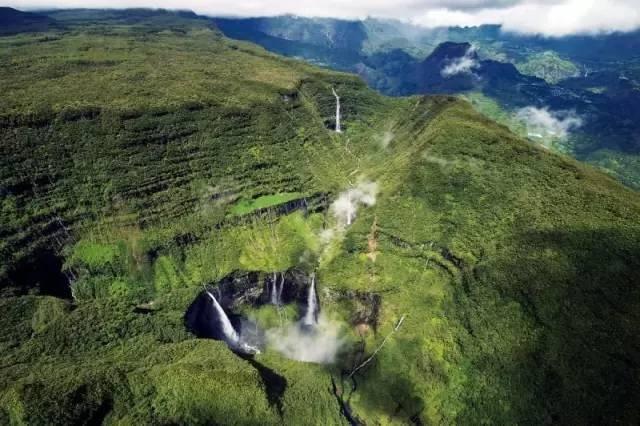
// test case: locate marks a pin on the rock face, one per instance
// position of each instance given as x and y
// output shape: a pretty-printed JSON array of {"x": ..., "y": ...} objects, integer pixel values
[
  {"x": 255, "y": 288},
  {"x": 241, "y": 288},
  {"x": 203, "y": 321}
]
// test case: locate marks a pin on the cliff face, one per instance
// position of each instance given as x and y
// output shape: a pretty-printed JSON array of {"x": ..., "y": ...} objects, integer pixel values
[{"x": 139, "y": 163}]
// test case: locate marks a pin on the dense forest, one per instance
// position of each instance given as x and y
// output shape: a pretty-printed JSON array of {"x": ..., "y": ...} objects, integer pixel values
[{"x": 462, "y": 274}]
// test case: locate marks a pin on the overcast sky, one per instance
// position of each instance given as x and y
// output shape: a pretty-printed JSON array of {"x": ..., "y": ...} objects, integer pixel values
[{"x": 550, "y": 17}]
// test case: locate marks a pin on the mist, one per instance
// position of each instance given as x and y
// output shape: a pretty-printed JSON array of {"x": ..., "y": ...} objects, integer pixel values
[
  {"x": 385, "y": 139},
  {"x": 319, "y": 345},
  {"x": 345, "y": 207},
  {"x": 543, "y": 123},
  {"x": 463, "y": 65}
]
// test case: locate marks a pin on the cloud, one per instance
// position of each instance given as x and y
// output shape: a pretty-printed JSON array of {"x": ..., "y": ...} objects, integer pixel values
[
  {"x": 464, "y": 65},
  {"x": 543, "y": 123},
  {"x": 548, "y": 17}
]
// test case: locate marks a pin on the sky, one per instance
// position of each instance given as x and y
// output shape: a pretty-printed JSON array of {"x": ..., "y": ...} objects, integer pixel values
[{"x": 547, "y": 17}]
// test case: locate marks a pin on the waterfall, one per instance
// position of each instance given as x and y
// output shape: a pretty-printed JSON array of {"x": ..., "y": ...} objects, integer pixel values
[
  {"x": 230, "y": 334},
  {"x": 350, "y": 208},
  {"x": 338, "y": 129},
  {"x": 281, "y": 287},
  {"x": 310, "y": 318},
  {"x": 274, "y": 290}
]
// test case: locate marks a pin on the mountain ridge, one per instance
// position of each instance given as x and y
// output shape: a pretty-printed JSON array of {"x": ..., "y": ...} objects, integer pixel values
[
  {"x": 13, "y": 21},
  {"x": 389, "y": 61}
]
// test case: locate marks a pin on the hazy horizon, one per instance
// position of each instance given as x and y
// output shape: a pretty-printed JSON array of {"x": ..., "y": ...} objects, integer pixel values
[{"x": 545, "y": 17}]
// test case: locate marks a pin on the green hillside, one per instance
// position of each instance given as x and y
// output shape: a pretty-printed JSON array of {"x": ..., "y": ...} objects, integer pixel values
[
  {"x": 549, "y": 66},
  {"x": 142, "y": 161}
]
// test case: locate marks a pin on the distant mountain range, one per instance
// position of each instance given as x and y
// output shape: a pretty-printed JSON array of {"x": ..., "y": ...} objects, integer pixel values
[
  {"x": 14, "y": 21},
  {"x": 595, "y": 78}
]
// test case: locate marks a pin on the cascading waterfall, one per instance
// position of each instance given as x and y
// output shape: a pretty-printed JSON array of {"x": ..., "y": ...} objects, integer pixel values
[
  {"x": 350, "y": 208},
  {"x": 311, "y": 317},
  {"x": 230, "y": 334},
  {"x": 338, "y": 129},
  {"x": 274, "y": 290},
  {"x": 280, "y": 290}
]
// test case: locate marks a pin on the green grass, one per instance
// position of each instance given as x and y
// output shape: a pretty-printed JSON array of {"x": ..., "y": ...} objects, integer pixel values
[
  {"x": 622, "y": 166},
  {"x": 548, "y": 66},
  {"x": 516, "y": 268},
  {"x": 490, "y": 108},
  {"x": 243, "y": 207}
]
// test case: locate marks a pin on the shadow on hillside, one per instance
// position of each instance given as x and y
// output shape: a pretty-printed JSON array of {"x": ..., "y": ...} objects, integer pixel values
[
  {"x": 43, "y": 270},
  {"x": 580, "y": 291}
]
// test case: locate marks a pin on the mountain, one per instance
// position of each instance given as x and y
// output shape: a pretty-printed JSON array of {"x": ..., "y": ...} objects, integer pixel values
[
  {"x": 456, "y": 67},
  {"x": 513, "y": 71},
  {"x": 328, "y": 42},
  {"x": 13, "y": 21},
  {"x": 329, "y": 33},
  {"x": 610, "y": 114},
  {"x": 168, "y": 194}
]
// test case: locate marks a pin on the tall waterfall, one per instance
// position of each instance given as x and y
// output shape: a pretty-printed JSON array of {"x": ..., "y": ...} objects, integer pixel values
[
  {"x": 338, "y": 129},
  {"x": 350, "y": 209},
  {"x": 230, "y": 334},
  {"x": 281, "y": 287},
  {"x": 311, "y": 318},
  {"x": 274, "y": 290}
]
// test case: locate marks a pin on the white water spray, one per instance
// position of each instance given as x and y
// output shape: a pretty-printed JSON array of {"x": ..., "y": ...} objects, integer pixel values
[
  {"x": 338, "y": 129},
  {"x": 345, "y": 207},
  {"x": 350, "y": 209},
  {"x": 315, "y": 338},
  {"x": 229, "y": 332},
  {"x": 310, "y": 318}
]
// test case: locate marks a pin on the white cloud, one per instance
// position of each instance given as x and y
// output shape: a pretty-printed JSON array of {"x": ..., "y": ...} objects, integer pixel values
[
  {"x": 463, "y": 65},
  {"x": 542, "y": 123},
  {"x": 549, "y": 17}
]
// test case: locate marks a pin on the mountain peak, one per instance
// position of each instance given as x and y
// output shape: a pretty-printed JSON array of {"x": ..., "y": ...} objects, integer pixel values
[{"x": 449, "y": 49}]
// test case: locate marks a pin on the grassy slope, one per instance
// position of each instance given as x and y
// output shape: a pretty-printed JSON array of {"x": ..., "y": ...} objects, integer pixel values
[
  {"x": 548, "y": 66},
  {"x": 517, "y": 269},
  {"x": 621, "y": 166}
]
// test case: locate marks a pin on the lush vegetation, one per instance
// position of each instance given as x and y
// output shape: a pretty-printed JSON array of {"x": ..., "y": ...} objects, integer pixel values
[
  {"x": 141, "y": 161},
  {"x": 594, "y": 76},
  {"x": 549, "y": 66}
]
